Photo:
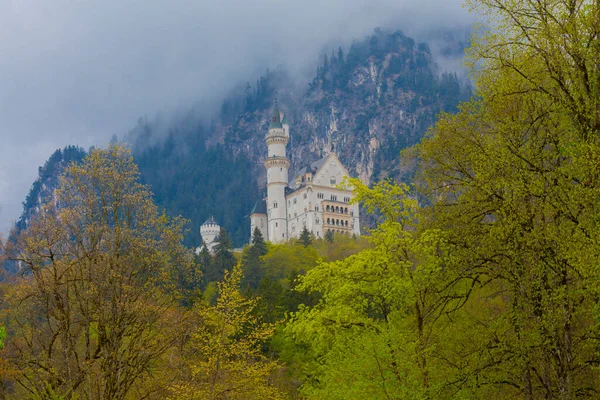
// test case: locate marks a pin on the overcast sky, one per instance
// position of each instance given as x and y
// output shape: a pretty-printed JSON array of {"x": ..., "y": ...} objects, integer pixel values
[{"x": 79, "y": 71}]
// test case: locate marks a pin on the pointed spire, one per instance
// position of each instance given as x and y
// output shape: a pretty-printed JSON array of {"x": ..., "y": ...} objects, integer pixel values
[{"x": 276, "y": 118}]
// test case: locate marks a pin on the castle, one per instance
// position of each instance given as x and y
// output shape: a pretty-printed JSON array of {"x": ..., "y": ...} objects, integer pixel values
[{"x": 311, "y": 199}]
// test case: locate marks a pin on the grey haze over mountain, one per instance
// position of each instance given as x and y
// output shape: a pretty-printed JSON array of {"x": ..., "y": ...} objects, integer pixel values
[{"x": 80, "y": 72}]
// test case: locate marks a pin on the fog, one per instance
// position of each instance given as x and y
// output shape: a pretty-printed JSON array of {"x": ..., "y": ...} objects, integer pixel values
[{"x": 77, "y": 72}]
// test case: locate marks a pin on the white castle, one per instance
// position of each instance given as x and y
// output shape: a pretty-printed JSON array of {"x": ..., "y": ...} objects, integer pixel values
[{"x": 312, "y": 199}]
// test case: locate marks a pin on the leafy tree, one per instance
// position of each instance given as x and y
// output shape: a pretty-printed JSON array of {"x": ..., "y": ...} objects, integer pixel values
[
  {"x": 372, "y": 331},
  {"x": 305, "y": 237},
  {"x": 94, "y": 312},
  {"x": 224, "y": 357},
  {"x": 514, "y": 180}
]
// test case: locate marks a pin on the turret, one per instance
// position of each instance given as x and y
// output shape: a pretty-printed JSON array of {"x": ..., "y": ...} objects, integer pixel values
[
  {"x": 209, "y": 231},
  {"x": 277, "y": 165}
]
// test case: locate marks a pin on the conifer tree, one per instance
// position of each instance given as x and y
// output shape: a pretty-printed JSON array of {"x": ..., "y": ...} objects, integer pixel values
[
  {"x": 305, "y": 237},
  {"x": 251, "y": 261},
  {"x": 224, "y": 259},
  {"x": 329, "y": 236}
]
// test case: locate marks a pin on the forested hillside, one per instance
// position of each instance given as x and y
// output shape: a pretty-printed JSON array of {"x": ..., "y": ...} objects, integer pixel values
[{"x": 365, "y": 105}]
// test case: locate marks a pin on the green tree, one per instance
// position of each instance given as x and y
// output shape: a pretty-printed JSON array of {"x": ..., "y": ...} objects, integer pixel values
[
  {"x": 372, "y": 332},
  {"x": 514, "y": 181},
  {"x": 252, "y": 264},
  {"x": 95, "y": 311},
  {"x": 305, "y": 237},
  {"x": 329, "y": 236},
  {"x": 224, "y": 358},
  {"x": 223, "y": 259}
]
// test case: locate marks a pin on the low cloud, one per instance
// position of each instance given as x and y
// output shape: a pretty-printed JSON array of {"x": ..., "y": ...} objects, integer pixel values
[{"x": 77, "y": 72}]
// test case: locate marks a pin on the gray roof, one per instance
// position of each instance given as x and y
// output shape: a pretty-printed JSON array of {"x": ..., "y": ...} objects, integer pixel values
[
  {"x": 276, "y": 118},
  {"x": 312, "y": 167},
  {"x": 210, "y": 220},
  {"x": 260, "y": 207}
]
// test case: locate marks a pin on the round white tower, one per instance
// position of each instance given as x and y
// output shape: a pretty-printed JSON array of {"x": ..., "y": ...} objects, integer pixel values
[
  {"x": 277, "y": 165},
  {"x": 210, "y": 231}
]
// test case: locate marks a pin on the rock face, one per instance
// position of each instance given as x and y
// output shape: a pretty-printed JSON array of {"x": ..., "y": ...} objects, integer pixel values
[{"x": 366, "y": 105}]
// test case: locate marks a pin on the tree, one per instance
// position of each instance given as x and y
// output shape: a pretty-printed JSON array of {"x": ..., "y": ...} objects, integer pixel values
[
  {"x": 305, "y": 237},
  {"x": 223, "y": 260},
  {"x": 224, "y": 357},
  {"x": 258, "y": 241},
  {"x": 329, "y": 236},
  {"x": 252, "y": 264},
  {"x": 94, "y": 311},
  {"x": 372, "y": 332},
  {"x": 514, "y": 181}
]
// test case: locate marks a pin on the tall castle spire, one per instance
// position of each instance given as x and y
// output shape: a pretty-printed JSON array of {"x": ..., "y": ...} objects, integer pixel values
[{"x": 277, "y": 165}]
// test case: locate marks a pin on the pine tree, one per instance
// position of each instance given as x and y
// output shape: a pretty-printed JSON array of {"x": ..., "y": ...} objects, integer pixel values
[
  {"x": 224, "y": 259},
  {"x": 258, "y": 242},
  {"x": 305, "y": 237},
  {"x": 329, "y": 236},
  {"x": 202, "y": 263},
  {"x": 251, "y": 261}
]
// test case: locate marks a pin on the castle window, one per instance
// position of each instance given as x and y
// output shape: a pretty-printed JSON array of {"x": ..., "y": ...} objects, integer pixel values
[
  {"x": 294, "y": 201},
  {"x": 346, "y": 224},
  {"x": 327, "y": 209},
  {"x": 352, "y": 213},
  {"x": 276, "y": 224},
  {"x": 328, "y": 221},
  {"x": 333, "y": 197},
  {"x": 332, "y": 180},
  {"x": 337, "y": 209},
  {"x": 304, "y": 195},
  {"x": 320, "y": 195},
  {"x": 346, "y": 210},
  {"x": 316, "y": 208},
  {"x": 274, "y": 204}
]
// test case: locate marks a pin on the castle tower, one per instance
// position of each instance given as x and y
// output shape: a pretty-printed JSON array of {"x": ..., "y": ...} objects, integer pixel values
[
  {"x": 210, "y": 231},
  {"x": 277, "y": 165}
]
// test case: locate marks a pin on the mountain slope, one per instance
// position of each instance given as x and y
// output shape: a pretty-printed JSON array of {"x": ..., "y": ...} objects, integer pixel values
[{"x": 365, "y": 105}]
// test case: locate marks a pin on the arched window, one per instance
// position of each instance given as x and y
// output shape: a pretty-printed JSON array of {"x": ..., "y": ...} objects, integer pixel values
[
  {"x": 337, "y": 209},
  {"x": 328, "y": 221},
  {"x": 346, "y": 210},
  {"x": 327, "y": 208},
  {"x": 346, "y": 224}
]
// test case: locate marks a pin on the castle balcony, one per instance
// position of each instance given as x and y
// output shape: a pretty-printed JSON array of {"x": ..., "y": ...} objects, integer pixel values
[
  {"x": 277, "y": 136},
  {"x": 275, "y": 161}
]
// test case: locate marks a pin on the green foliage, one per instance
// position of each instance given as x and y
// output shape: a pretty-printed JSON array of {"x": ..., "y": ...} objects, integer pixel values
[{"x": 371, "y": 332}]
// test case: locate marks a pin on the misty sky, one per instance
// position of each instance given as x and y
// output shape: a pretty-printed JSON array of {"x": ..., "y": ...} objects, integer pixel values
[{"x": 77, "y": 72}]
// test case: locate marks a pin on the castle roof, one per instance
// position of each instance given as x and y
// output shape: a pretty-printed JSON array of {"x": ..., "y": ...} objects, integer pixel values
[
  {"x": 313, "y": 167},
  {"x": 276, "y": 118},
  {"x": 210, "y": 220},
  {"x": 260, "y": 207}
]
